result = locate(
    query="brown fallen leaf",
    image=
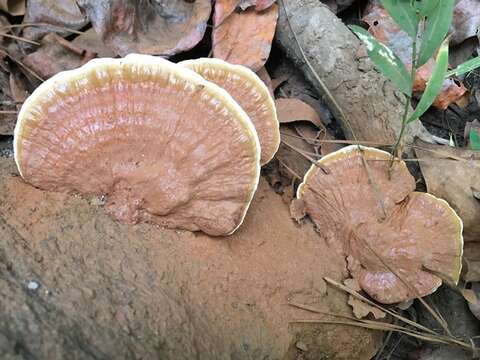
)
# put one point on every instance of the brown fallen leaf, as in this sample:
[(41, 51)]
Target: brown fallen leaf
[(466, 20), (245, 37), (8, 110), (454, 181), (63, 13), (384, 28), (18, 87), (295, 110), (361, 309), (13, 7), (52, 57), (91, 41), (223, 8), (469, 295), (291, 110), (471, 261), (265, 77), (292, 163), (162, 27), (475, 306)]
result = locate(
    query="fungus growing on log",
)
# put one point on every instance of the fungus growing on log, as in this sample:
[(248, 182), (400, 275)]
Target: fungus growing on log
[(399, 244), (160, 142), (252, 95)]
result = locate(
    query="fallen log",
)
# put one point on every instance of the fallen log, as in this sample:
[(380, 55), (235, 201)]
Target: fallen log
[(364, 102)]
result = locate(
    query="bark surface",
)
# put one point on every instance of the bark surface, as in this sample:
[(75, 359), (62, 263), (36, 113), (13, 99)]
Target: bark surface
[(365, 103)]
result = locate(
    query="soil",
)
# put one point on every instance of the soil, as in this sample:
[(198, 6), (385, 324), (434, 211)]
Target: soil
[(76, 284)]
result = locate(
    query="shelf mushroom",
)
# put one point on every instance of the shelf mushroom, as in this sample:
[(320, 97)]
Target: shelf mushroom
[(399, 244), (160, 142), (252, 95)]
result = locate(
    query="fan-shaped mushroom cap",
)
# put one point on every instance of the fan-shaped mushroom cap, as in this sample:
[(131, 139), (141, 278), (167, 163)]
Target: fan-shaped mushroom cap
[(252, 95), (163, 144), (390, 235)]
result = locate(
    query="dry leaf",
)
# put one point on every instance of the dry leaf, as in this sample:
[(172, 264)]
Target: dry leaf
[(52, 57), (471, 262), (18, 88), (91, 41), (223, 8), (361, 309), (289, 154), (245, 38), (265, 76), (13, 7), (453, 181), (384, 28), (290, 110), (162, 27), (64, 13), (466, 20), (470, 296), (475, 306), (7, 121)]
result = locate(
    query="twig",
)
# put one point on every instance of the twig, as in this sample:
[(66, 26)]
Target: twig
[(59, 28), (290, 170), (18, 38), (21, 64)]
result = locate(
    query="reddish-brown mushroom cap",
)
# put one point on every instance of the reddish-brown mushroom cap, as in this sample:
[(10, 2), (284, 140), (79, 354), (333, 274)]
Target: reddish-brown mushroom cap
[(159, 141), (252, 95), (390, 235)]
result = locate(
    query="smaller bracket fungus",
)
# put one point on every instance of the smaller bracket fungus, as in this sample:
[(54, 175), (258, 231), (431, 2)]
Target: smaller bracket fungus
[(399, 244), (252, 95), (163, 144)]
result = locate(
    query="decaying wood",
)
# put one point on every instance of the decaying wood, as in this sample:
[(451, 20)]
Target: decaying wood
[(366, 104)]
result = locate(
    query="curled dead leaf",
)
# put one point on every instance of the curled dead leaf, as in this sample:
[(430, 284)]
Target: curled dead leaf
[(64, 13), (52, 57), (245, 37), (471, 262), (13, 7), (224, 8), (466, 20), (162, 27), (470, 296), (361, 309), (475, 306), (291, 110), (91, 41), (265, 77), (450, 173)]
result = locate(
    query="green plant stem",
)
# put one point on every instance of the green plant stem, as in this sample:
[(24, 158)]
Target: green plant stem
[(407, 105)]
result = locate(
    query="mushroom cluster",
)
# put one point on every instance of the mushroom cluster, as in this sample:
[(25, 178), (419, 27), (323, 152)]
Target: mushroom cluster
[(162, 143), (399, 244)]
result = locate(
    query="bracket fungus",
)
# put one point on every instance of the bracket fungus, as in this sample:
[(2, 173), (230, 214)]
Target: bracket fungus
[(251, 94), (163, 144), (399, 244)]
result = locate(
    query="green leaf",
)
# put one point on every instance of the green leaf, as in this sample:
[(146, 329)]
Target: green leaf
[(464, 68), (436, 28), (404, 15), (427, 7), (385, 60), (474, 140), (434, 85)]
